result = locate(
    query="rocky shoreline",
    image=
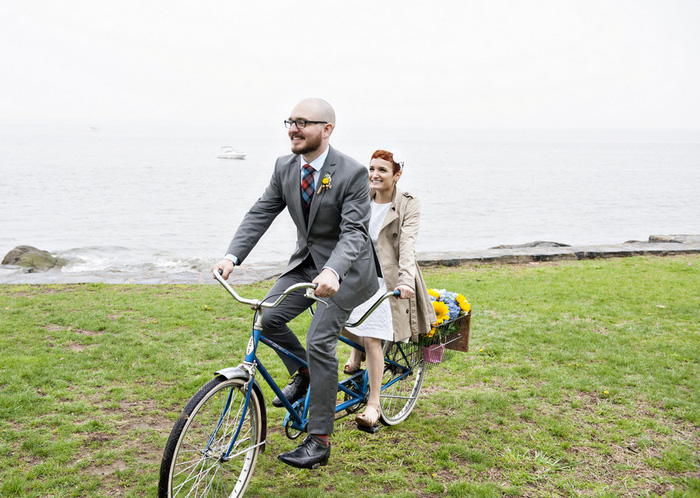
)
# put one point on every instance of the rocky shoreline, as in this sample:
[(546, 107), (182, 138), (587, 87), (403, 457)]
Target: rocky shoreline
[(658, 245)]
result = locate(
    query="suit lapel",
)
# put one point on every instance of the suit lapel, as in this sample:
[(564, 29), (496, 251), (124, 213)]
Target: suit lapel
[(328, 168), (294, 180)]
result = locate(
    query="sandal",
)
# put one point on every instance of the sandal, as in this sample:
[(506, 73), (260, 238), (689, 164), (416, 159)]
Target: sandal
[(367, 419), (352, 369), (349, 369)]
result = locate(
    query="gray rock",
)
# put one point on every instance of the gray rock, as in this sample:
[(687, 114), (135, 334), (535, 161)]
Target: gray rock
[(537, 243), (31, 257), (676, 239)]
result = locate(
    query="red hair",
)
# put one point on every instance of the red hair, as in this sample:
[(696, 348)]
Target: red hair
[(387, 156)]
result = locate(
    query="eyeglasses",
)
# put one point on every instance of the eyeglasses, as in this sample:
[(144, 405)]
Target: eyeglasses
[(301, 123)]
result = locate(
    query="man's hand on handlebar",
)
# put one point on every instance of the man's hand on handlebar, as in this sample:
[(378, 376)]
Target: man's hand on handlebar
[(225, 267), (327, 282)]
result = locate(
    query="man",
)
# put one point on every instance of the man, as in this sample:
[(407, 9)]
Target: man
[(327, 195)]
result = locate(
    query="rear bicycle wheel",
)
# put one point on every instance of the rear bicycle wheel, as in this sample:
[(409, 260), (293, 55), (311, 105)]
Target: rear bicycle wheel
[(404, 372), (194, 461)]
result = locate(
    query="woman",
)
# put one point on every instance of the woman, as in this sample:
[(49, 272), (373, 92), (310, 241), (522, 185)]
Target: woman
[(393, 228)]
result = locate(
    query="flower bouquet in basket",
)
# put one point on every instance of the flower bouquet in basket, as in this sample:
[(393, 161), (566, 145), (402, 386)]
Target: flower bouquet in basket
[(449, 308)]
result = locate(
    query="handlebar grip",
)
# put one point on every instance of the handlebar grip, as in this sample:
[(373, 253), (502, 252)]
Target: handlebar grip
[(397, 293), (310, 291)]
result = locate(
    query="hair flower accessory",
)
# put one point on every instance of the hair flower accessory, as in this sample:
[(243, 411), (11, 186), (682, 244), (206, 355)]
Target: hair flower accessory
[(398, 158), (325, 183)]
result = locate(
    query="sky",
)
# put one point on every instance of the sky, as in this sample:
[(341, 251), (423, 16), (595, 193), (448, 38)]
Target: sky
[(545, 64)]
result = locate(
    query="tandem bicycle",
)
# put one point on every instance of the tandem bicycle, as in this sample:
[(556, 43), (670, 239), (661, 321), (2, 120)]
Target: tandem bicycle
[(215, 442)]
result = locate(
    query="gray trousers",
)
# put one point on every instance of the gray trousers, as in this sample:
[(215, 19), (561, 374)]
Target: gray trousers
[(321, 342)]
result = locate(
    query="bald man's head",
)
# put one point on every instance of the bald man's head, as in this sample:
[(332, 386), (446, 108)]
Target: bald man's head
[(318, 120), (319, 109)]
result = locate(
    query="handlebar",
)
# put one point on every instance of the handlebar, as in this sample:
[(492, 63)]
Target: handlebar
[(394, 293), (257, 303)]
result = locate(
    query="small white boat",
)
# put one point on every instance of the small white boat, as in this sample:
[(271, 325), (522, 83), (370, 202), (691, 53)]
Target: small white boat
[(228, 152)]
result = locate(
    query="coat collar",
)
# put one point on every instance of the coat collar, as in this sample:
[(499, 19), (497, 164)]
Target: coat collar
[(394, 210)]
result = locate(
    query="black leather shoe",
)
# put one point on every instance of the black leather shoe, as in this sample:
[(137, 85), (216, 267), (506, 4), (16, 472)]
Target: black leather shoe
[(295, 390), (310, 454)]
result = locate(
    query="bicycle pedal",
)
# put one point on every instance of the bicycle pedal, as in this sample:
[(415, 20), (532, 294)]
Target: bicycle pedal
[(370, 430)]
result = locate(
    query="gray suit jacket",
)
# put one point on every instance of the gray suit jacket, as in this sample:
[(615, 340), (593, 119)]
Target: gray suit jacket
[(336, 234)]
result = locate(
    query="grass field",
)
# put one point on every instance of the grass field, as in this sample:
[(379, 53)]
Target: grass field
[(582, 380)]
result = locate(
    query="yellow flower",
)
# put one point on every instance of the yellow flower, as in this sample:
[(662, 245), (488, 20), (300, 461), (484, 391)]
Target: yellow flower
[(325, 183), (463, 303), (441, 311), (434, 293)]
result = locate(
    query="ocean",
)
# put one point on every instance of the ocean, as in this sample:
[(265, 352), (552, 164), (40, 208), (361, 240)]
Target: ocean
[(135, 198)]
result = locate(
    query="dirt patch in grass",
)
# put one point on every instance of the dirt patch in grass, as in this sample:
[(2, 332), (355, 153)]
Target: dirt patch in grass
[(106, 470), (78, 348), (137, 428), (85, 332), (139, 413)]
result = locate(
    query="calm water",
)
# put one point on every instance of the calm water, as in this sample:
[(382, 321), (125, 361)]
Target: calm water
[(133, 198)]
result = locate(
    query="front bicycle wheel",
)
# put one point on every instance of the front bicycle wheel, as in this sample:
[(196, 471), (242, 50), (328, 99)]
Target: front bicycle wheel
[(197, 460), (404, 372)]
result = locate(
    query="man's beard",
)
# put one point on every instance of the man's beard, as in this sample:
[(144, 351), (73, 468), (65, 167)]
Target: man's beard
[(309, 144)]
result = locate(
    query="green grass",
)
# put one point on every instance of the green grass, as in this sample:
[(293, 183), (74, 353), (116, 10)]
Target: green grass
[(581, 380)]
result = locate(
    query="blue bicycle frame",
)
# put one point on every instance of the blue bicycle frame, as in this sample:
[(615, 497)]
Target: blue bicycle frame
[(358, 383)]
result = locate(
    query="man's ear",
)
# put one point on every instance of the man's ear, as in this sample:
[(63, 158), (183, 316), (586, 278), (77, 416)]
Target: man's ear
[(327, 130)]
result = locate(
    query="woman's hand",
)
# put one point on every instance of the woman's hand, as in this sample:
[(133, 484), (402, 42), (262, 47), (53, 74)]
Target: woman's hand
[(406, 291)]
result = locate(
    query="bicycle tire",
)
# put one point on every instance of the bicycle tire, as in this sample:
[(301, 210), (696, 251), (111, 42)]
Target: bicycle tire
[(191, 466), (398, 399)]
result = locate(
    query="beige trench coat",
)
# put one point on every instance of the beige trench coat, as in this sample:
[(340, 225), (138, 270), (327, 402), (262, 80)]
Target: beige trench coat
[(396, 245)]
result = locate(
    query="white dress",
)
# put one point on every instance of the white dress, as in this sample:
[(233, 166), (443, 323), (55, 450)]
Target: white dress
[(379, 323)]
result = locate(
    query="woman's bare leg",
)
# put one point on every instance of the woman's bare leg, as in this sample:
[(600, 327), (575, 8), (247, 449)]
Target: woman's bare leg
[(355, 359), (375, 369)]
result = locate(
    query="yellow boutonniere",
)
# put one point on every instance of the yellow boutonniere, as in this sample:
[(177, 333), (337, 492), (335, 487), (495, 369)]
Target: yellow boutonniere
[(325, 183)]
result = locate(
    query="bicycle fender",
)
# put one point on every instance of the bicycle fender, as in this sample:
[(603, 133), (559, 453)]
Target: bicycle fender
[(234, 373), (240, 373)]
